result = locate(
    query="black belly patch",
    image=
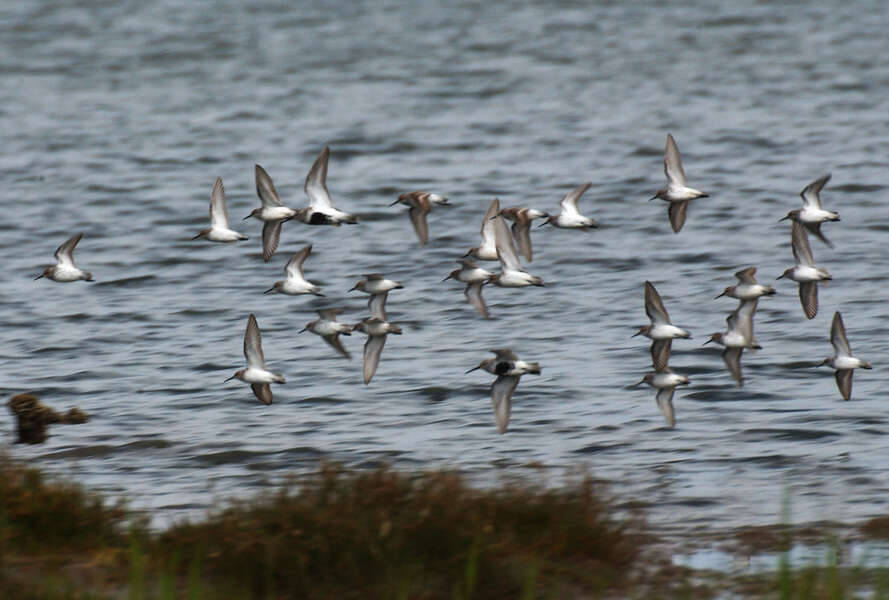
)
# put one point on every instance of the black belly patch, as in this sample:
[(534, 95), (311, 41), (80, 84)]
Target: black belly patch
[(317, 219)]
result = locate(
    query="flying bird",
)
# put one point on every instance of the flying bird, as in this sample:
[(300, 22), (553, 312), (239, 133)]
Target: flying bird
[(661, 331), (219, 231), (570, 217), (420, 204), (272, 213), (65, 270), (811, 215), (295, 282), (842, 359), (521, 226), (508, 369), (747, 288), (805, 273), (321, 210), (256, 373), (665, 382), (330, 329), (738, 335), (677, 193)]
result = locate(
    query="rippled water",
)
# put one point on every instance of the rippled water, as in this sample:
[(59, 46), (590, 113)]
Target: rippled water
[(118, 117)]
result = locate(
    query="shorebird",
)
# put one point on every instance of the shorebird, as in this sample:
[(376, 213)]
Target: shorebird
[(842, 359), (508, 369), (329, 329), (811, 214), (420, 204), (64, 270), (747, 288), (487, 250), (805, 273), (272, 213), (295, 282), (661, 331), (378, 287), (256, 373), (320, 210), (665, 381), (219, 231), (521, 226), (474, 277), (376, 329), (511, 272), (738, 335), (570, 217), (676, 193)]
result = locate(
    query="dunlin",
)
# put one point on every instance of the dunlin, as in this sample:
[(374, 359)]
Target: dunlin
[(511, 272), (64, 270), (570, 217), (272, 213), (842, 359), (661, 331), (378, 287), (487, 250), (508, 368), (256, 373), (376, 329), (677, 193), (747, 288), (474, 277), (811, 214), (329, 329), (805, 273), (665, 382), (320, 210), (294, 282), (219, 231), (738, 335), (521, 226), (420, 204)]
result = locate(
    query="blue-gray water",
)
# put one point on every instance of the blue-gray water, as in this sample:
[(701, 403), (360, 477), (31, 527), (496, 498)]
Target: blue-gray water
[(117, 118)]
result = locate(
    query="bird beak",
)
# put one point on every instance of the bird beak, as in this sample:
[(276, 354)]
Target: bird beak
[(394, 203), (247, 217), (653, 198), (269, 291), (707, 342), (229, 379), (354, 287), (196, 237), (448, 277), (720, 295), (301, 330), (779, 276), (38, 277), (783, 219), (472, 369), (637, 333), (638, 383), (545, 222)]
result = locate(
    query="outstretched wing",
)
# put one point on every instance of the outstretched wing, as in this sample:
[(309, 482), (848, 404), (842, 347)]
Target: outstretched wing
[(810, 193), (218, 212), (501, 398), (253, 345), (294, 266), (265, 188), (569, 202), (838, 336), (673, 164), (65, 253), (316, 182)]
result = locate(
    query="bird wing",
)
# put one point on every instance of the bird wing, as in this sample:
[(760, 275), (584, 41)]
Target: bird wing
[(294, 266), (569, 202), (654, 307), (815, 228), (418, 218), (808, 297), (838, 336), (376, 305), (330, 313), (65, 253), (664, 399), (271, 235), (336, 344), (799, 243), (501, 398), (660, 354), (522, 234), (265, 188), (747, 275), (743, 322), (263, 391), (506, 251), (473, 293), (677, 211), (487, 230), (732, 358), (253, 345), (218, 212), (373, 347), (316, 182), (810, 192), (502, 354), (844, 382), (673, 164)]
